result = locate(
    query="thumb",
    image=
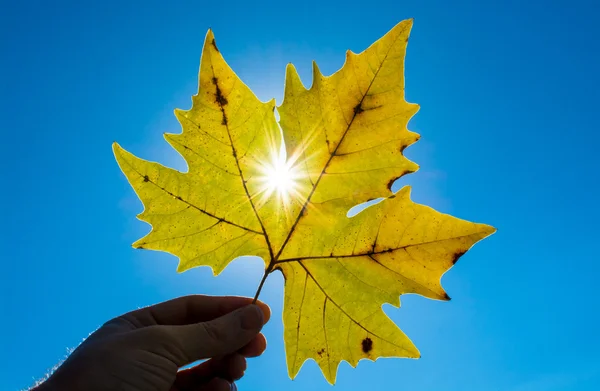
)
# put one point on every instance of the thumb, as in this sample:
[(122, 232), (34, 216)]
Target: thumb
[(219, 336)]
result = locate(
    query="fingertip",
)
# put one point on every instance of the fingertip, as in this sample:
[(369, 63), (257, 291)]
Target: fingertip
[(232, 303), (254, 348), (220, 336), (265, 310), (252, 318), (236, 366)]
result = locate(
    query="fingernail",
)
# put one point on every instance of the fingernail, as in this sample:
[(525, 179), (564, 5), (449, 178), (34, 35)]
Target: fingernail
[(252, 317)]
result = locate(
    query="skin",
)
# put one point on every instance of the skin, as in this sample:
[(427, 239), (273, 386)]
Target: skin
[(144, 350)]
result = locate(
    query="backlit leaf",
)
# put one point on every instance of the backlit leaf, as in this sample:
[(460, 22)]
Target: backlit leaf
[(344, 139)]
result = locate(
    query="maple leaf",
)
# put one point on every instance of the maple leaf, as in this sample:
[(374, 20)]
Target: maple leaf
[(344, 139)]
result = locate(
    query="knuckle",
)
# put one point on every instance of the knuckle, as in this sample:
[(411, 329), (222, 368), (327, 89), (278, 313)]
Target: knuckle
[(212, 331), (155, 335), (161, 341)]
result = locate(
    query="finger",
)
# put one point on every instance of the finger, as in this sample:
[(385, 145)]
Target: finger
[(214, 338), (254, 348), (217, 384), (191, 309), (230, 367), (234, 367)]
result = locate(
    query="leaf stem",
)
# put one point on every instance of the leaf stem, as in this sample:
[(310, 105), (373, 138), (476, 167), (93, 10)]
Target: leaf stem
[(262, 281)]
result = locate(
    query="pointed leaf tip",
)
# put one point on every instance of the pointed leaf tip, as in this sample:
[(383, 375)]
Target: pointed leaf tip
[(293, 82), (316, 71), (117, 149)]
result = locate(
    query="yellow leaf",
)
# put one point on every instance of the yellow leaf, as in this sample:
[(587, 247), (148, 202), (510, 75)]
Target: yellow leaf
[(344, 139)]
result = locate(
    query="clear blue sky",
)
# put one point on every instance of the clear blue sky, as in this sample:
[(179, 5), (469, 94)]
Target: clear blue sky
[(509, 97)]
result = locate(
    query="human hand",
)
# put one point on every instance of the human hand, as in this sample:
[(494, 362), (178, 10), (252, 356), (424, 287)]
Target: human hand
[(144, 349)]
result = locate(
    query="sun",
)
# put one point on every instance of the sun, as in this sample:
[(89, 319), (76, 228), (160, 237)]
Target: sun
[(280, 177)]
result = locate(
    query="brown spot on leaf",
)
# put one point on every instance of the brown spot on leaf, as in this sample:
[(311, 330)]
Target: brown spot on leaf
[(146, 179), (391, 182), (214, 45), (457, 255), (320, 352), (358, 109), (367, 345), (219, 98)]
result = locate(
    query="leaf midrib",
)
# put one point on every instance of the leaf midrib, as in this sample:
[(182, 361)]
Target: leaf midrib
[(221, 219), (237, 163), (332, 155), (371, 253)]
